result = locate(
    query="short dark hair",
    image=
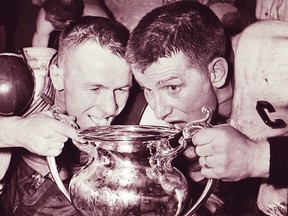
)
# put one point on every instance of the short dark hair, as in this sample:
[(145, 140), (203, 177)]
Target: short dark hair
[(108, 33), (64, 9), (185, 26)]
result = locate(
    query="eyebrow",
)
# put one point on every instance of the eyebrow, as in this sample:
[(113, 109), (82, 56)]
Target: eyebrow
[(165, 81), (127, 86), (102, 86), (92, 84)]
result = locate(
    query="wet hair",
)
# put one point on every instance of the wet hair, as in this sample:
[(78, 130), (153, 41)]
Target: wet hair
[(108, 33), (64, 10), (186, 26)]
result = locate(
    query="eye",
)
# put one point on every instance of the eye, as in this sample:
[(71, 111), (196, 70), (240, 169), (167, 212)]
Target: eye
[(173, 88), (146, 90), (95, 89), (122, 90), (91, 87)]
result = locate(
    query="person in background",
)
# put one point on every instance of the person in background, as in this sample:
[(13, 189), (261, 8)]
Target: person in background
[(97, 8), (92, 79), (56, 14), (235, 15), (271, 10), (129, 12), (91, 7)]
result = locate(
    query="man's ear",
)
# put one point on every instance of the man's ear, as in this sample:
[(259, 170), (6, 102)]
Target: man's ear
[(218, 69), (57, 77)]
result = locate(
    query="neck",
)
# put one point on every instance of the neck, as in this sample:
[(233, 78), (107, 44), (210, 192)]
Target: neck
[(224, 97)]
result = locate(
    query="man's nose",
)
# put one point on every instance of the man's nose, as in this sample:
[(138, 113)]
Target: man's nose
[(160, 107), (110, 105)]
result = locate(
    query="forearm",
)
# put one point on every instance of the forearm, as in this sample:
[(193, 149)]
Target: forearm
[(8, 132), (40, 41), (43, 30), (278, 170)]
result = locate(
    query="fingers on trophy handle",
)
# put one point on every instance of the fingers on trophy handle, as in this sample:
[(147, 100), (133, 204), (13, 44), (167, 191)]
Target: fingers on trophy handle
[(51, 160), (194, 126), (190, 129)]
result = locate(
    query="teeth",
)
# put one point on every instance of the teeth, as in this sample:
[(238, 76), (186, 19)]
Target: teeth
[(99, 121), (93, 122), (172, 125), (178, 126)]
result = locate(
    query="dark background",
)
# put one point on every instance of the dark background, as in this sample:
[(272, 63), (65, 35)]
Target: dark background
[(18, 17), (17, 24)]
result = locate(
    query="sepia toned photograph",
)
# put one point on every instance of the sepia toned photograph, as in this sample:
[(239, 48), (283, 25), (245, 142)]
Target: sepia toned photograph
[(143, 107)]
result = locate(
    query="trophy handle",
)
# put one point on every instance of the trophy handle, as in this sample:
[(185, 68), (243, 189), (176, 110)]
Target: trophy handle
[(54, 172), (190, 129), (210, 185), (51, 160)]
